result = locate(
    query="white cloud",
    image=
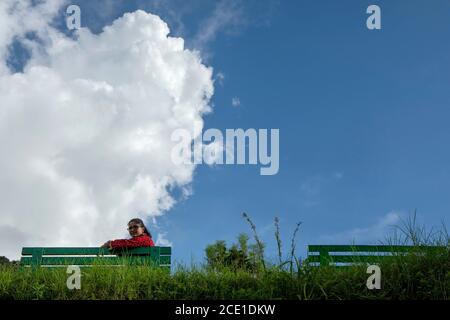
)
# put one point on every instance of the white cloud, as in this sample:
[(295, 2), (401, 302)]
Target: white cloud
[(227, 16), (371, 234), (19, 17), (85, 129), (235, 102), (220, 78), (162, 241)]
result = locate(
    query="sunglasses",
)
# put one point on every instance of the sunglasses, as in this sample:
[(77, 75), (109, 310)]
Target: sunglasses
[(133, 227)]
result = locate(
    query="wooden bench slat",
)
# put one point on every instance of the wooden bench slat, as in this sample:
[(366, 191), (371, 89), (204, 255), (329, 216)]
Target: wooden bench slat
[(340, 259), (96, 261), (58, 256), (26, 251), (165, 250), (326, 254), (363, 248)]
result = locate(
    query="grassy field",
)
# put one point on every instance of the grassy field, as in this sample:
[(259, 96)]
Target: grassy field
[(420, 275), (412, 277)]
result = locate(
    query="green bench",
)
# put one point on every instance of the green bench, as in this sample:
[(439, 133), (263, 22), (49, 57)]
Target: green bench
[(339, 255), (58, 257)]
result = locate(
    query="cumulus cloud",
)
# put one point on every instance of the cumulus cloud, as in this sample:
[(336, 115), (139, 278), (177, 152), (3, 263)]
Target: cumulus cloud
[(85, 128)]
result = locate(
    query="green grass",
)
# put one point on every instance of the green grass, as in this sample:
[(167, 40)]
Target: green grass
[(421, 274), (424, 276)]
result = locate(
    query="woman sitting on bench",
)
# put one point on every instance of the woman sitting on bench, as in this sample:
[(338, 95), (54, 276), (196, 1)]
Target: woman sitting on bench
[(141, 237)]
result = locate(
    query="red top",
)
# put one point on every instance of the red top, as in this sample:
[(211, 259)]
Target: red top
[(139, 241)]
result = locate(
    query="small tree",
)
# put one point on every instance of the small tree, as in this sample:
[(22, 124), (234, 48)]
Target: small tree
[(4, 260), (216, 254), (237, 257)]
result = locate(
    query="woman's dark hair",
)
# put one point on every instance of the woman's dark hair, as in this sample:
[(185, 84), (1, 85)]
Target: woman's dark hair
[(140, 223)]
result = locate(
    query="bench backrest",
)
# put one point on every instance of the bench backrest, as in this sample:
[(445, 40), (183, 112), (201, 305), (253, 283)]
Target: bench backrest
[(324, 255), (54, 257)]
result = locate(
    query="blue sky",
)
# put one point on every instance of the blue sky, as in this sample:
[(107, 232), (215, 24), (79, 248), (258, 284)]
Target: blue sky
[(363, 116)]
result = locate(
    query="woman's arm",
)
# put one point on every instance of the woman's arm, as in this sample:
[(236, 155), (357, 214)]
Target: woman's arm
[(132, 243)]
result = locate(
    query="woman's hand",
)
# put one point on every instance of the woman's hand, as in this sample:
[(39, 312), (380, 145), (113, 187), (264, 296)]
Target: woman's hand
[(107, 244)]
